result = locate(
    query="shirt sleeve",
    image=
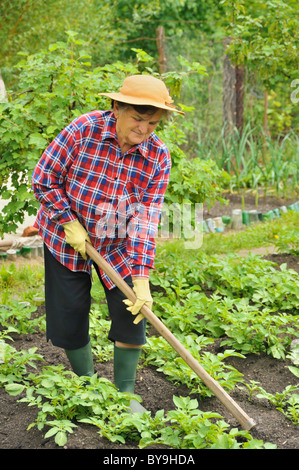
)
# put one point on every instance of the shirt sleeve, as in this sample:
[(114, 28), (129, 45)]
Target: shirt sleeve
[(143, 227), (49, 175)]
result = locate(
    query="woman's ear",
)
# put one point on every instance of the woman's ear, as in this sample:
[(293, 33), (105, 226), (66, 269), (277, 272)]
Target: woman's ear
[(116, 109)]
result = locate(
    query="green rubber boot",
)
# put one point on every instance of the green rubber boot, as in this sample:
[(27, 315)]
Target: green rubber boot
[(125, 365), (81, 360)]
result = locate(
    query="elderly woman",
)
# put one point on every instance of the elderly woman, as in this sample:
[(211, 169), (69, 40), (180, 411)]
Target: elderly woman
[(103, 180)]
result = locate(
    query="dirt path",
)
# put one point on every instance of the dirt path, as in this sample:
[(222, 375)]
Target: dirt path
[(262, 250)]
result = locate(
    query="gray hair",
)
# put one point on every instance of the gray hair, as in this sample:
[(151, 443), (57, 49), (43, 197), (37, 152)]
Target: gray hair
[(142, 109)]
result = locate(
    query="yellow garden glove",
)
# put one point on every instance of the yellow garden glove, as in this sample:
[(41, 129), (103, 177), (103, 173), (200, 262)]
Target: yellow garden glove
[(76, 236), (142, 291)]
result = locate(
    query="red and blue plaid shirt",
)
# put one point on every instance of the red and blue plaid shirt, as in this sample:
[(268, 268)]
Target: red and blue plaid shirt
[(117, 198)]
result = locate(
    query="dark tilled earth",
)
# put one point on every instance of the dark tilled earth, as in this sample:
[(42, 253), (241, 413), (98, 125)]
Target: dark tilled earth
[(157, 393)]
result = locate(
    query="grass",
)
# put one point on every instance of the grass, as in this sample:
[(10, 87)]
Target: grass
[(23, 282), (262, 234)]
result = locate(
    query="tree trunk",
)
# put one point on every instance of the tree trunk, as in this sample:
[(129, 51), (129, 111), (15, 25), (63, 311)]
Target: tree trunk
[(239, 98), (233, 94), (160, 38)]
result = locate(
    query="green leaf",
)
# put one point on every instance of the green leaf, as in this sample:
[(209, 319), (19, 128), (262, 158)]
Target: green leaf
[(61, 438), (47, 383), (38, 141), (14, 389), (51, 432), (294, 370)]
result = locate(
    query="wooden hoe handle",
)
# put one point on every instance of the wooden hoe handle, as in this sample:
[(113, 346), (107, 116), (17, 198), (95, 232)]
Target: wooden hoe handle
[(245, 421)]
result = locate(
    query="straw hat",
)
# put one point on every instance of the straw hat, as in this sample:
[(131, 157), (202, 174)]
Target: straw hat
[(144, 90)]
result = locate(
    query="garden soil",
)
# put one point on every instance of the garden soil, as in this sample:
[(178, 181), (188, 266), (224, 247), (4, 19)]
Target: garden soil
[(156, 391)]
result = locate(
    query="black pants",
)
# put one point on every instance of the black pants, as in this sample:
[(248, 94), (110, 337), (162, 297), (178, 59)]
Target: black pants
[(68, 300)]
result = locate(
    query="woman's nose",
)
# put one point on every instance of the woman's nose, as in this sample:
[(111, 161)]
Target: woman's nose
[(143, 127)]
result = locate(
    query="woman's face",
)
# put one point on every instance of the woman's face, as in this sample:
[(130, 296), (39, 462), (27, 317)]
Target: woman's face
[(132, 127)]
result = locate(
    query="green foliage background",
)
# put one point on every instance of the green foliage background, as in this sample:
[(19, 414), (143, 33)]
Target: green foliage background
[(56, 55)]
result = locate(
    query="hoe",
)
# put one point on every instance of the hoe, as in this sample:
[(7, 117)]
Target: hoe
[(246, 422)]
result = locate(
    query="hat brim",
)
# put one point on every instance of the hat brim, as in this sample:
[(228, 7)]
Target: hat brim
[(139, 101)]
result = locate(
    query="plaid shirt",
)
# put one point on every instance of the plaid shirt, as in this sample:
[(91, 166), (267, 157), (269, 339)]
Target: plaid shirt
[(117, 198)]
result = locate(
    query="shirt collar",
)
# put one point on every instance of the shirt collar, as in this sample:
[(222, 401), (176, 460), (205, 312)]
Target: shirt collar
[(109, 127), (143, 148)]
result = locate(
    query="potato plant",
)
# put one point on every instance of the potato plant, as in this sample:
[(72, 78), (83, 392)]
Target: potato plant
[(251, 304), (62, 398), (247, 304)]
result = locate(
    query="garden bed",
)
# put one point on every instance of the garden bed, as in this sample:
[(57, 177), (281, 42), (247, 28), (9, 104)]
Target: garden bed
[(157, 392), (249, 201)]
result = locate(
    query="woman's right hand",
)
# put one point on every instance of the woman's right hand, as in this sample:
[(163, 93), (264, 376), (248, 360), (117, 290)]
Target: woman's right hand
[(76, 236)]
